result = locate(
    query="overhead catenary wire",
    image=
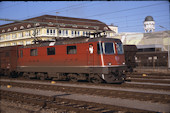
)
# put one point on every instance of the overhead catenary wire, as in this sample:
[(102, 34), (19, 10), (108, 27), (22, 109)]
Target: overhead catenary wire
[(126, 9), (106, 13)]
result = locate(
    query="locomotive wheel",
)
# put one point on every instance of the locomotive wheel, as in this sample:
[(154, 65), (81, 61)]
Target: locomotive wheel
[(25, 75), (41, 76), (73, 77), (95, 79)]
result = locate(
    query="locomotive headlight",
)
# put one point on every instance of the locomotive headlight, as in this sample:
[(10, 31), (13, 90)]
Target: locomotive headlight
[(109, 64), (123, 63)]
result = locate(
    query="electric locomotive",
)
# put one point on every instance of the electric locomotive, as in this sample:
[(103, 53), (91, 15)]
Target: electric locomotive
[(97, 60)]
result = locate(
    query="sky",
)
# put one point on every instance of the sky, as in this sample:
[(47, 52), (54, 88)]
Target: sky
[(127, 15)]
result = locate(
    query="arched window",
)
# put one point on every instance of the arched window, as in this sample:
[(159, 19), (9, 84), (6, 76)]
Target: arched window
[(28, 26), (15, 28), (22, 27)]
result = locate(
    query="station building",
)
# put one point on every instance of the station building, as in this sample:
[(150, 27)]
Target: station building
[(49, 27), (152, 47)]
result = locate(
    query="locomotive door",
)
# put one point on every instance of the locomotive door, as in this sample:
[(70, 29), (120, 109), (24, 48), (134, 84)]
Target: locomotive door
[(90, 59)]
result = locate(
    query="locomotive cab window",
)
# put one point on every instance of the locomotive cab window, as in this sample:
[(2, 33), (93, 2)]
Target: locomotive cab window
[(109, 48), (119, 48), (71, 49), (33, 52), (51, 51)]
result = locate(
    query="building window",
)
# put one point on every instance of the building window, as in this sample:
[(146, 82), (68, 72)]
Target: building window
[(22, 27), (78, 33), (47, 31), (71, 49), (33, 52), (14, 36), (50, 31), (85, 33), (51, 51), (14, 43), (9, 29), (28, 42), (53, 31), (27, 33), (3, 30), (38, 31), (20, 34), (20, 43), (7, 37), (59, 32), (1, 38), (72, 32), (66, 32), (37, 24), (15, 28), (28, 26), (8, 44)]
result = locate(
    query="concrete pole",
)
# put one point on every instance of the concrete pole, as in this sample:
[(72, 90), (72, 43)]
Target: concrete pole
[(168, 51)]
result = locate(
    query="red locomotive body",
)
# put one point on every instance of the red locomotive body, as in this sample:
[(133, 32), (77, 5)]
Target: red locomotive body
[(92, 59), (78, 58)]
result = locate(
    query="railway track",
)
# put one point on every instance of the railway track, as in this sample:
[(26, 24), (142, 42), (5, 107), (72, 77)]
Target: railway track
[(153, 96), (50, 102)]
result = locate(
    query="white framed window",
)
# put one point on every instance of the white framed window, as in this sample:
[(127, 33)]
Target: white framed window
[(28, 26), (85, 33), (14, 35), (20, 43), (65, 32), (3, 30), (15, 28), (22, 27), (7, 37), (38, 32), (9, 29), (20, 34), (14, 43), (8, 44), (1, 38), (27, 33), (50, 32), (28, 42)]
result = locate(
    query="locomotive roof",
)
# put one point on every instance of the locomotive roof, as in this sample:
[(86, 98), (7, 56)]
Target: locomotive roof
[(71, 41)]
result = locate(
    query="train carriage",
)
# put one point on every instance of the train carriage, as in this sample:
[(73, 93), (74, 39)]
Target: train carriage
[(8, 60)]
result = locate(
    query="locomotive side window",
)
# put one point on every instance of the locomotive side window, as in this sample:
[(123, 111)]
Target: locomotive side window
[(71, 49), (99, 48), (7, 54), (21, 53), (51, 51), (109, 48), (91, 48), (119, 48), (33, 52)]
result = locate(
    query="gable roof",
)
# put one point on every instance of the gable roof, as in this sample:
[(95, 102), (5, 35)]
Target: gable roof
[(65, 22)]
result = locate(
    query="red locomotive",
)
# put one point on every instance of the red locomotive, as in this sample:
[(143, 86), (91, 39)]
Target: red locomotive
[(94, 59)]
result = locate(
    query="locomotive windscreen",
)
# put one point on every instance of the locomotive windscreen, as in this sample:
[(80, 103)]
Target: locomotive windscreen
[(109, 48)]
